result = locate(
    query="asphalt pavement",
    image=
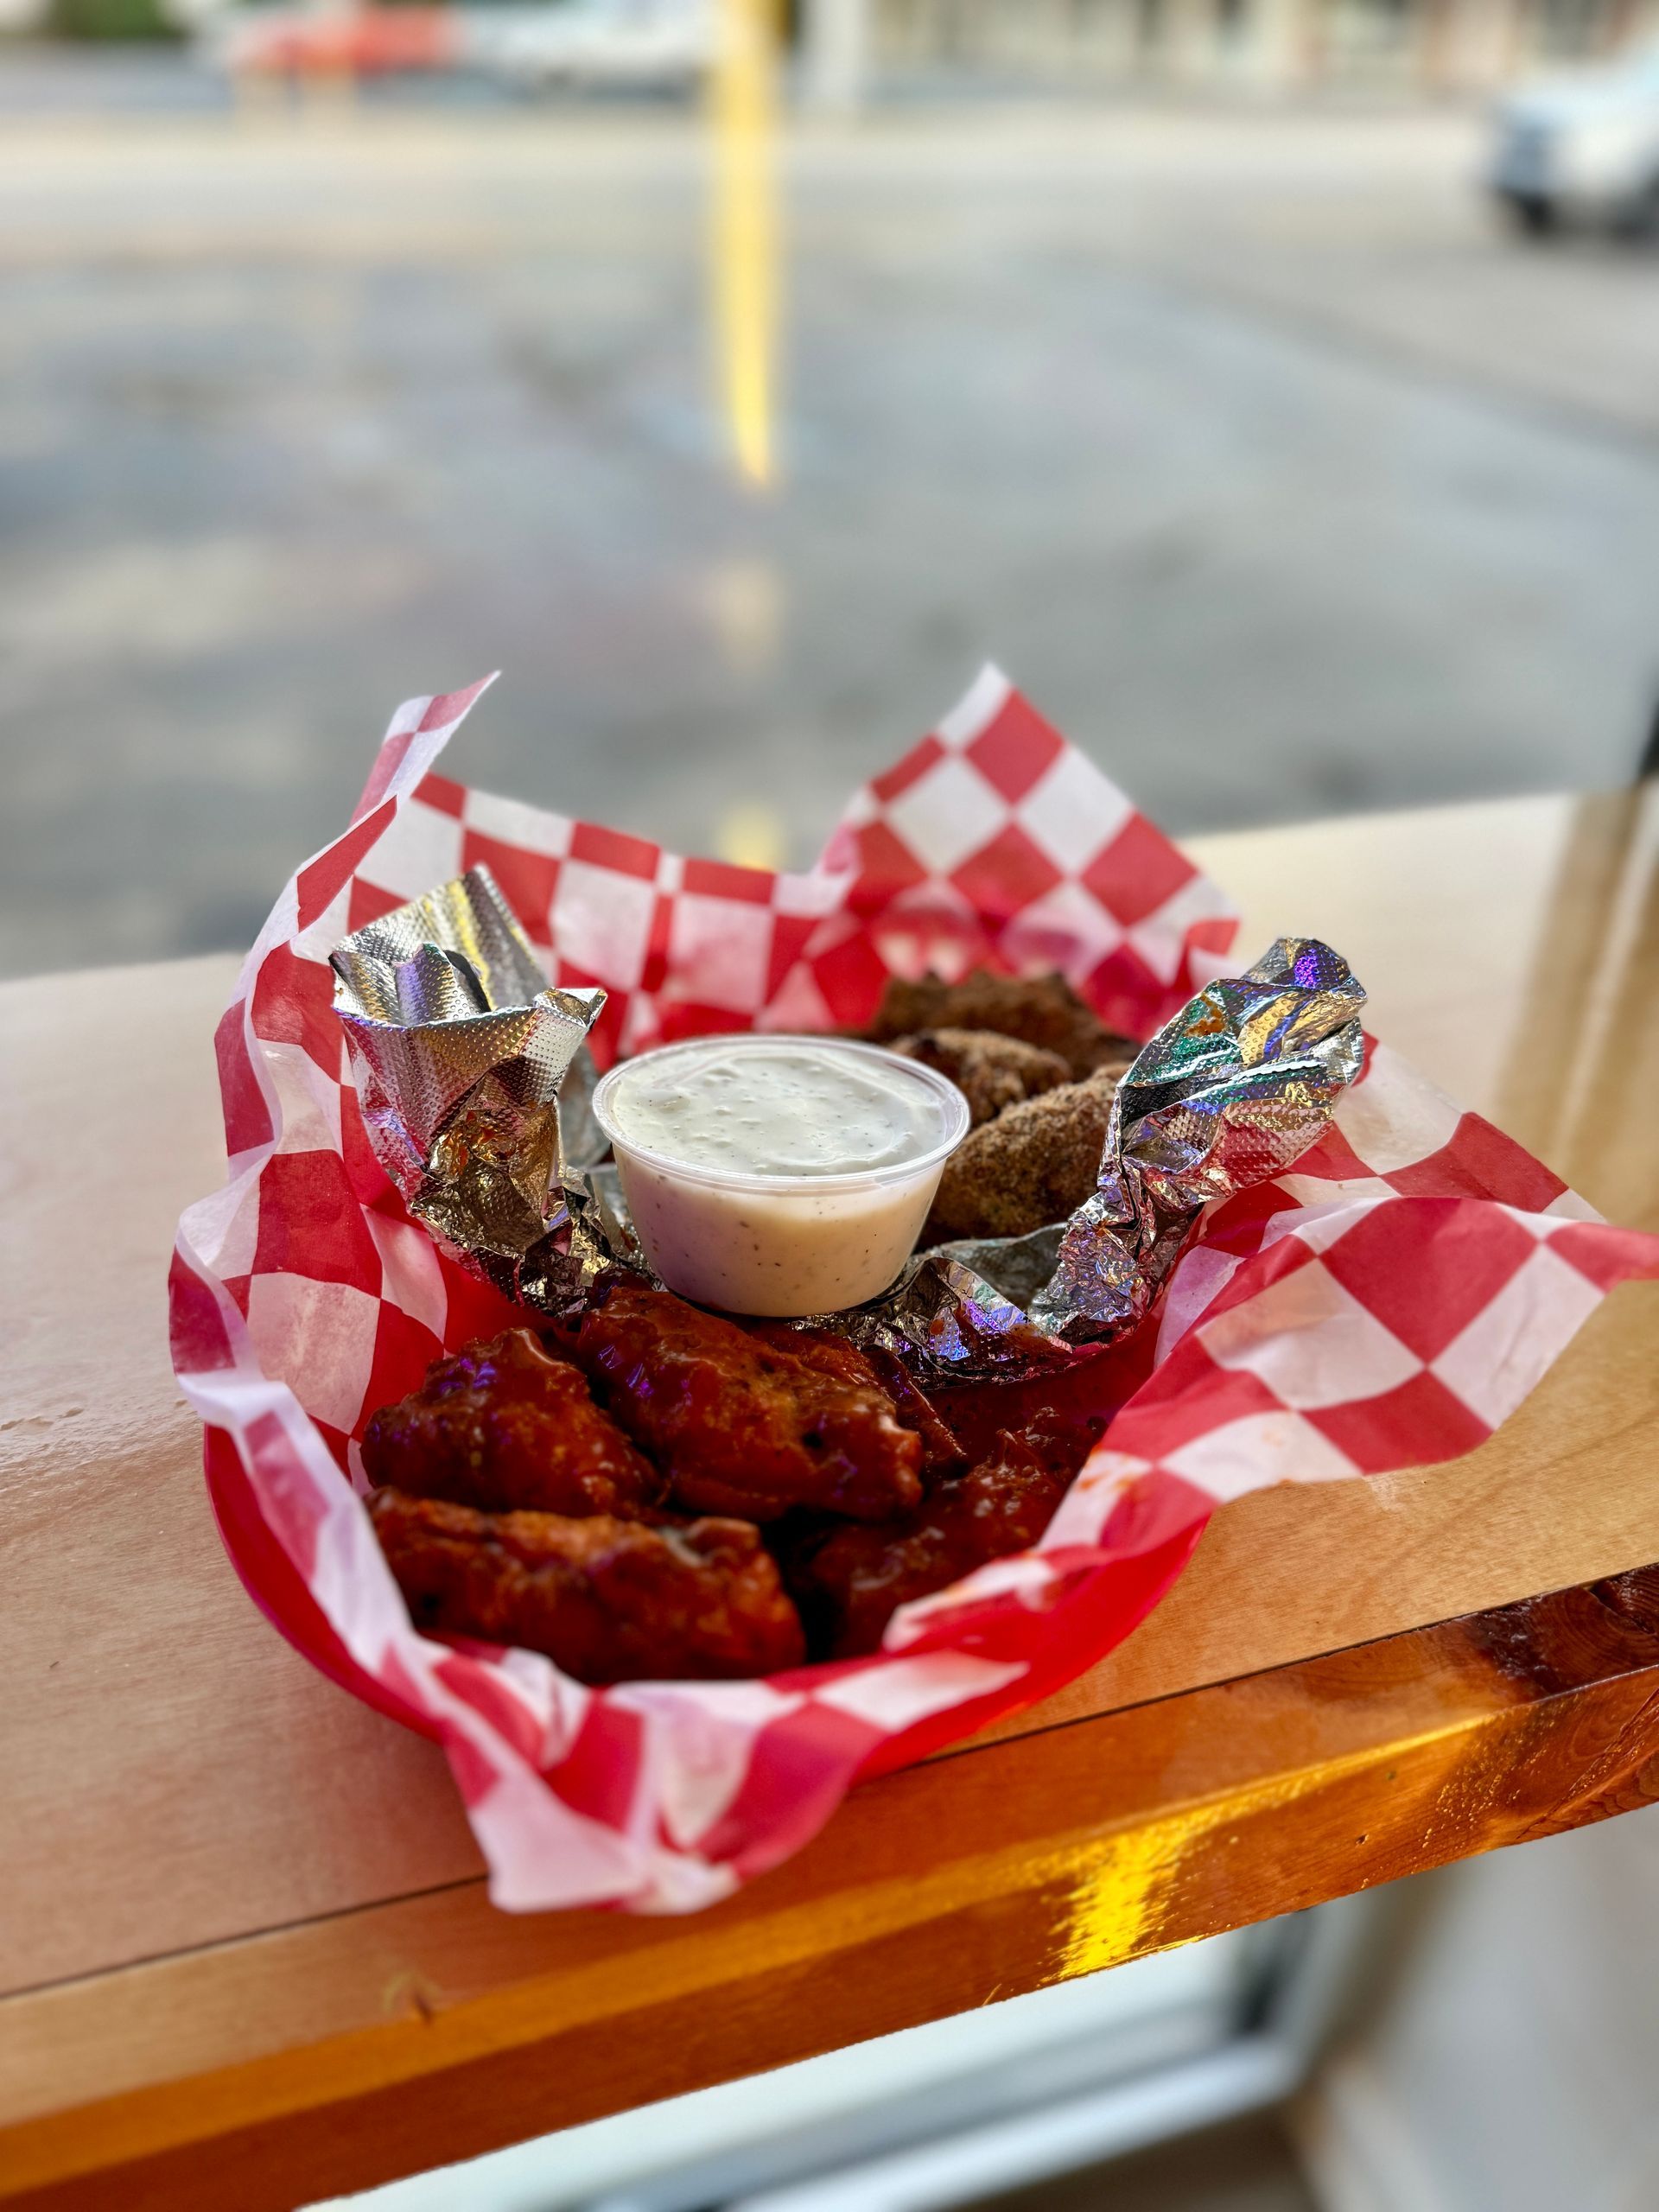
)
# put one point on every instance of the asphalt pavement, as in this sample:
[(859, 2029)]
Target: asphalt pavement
[(1248, 443)]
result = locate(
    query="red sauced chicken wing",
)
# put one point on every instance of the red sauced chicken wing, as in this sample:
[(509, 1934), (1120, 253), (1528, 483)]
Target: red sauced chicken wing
[(851, 1583), (607, 1600), (873, 1371), (504, 1427), (739, 1424)]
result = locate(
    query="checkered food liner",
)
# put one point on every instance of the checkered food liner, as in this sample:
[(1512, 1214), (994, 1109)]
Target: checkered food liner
[(1384, 1304)]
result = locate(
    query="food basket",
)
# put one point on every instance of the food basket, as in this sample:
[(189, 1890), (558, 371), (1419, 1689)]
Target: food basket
[(1386, 1304)]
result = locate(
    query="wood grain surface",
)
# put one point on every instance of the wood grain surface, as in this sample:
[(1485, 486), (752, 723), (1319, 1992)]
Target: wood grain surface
[(337, 2055), (220, 1870)]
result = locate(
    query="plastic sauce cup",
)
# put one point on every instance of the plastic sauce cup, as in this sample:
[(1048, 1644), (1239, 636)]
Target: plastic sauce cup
[(781, 1245)]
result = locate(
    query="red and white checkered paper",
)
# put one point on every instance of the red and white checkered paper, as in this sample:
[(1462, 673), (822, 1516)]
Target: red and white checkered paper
[(1386, 1304)]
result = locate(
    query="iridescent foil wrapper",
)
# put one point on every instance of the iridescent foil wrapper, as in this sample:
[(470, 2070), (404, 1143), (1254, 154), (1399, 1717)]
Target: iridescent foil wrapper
[(1229, 1093), (460, 1050)]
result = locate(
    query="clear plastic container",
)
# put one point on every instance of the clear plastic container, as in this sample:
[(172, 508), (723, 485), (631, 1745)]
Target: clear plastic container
[(761, 1243)]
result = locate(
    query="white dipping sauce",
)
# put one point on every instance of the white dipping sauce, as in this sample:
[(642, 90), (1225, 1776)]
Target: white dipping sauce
[(778, 1175)]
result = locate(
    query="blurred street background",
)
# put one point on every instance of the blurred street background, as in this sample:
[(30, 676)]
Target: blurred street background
[(1224, 409)]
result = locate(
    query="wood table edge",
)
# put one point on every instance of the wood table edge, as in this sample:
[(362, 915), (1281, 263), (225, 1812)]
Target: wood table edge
[(1324, 1777)]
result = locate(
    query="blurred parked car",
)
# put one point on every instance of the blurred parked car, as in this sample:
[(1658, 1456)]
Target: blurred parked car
[(336, 42), (530, 44), (589, 45), (1583, 149)]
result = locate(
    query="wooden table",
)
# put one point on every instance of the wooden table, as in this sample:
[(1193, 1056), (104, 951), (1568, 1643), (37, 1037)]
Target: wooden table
[(245, 1953)]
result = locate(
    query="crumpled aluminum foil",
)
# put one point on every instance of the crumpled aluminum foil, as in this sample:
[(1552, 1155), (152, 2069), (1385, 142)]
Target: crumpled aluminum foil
[(459, 1050), (459, 1105), (1231, 1092)]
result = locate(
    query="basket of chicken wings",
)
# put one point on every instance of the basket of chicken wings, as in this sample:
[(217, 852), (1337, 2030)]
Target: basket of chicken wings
[(686, 1337), (642, 1486)]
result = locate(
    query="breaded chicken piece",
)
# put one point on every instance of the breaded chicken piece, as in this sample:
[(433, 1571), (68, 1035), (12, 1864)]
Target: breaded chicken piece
[(1035, 1163), (504, 1426), (607, 1600), (738, 1424), (850, 1582), (991, 1071), (1041, 1010)]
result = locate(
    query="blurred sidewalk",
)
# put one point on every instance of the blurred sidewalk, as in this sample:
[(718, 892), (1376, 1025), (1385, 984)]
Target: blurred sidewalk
[(1279, 476)]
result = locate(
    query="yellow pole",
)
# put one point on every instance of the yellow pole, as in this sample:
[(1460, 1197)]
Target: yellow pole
[(745, 242)]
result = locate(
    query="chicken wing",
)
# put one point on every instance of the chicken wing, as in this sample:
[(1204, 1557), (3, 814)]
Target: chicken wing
[(1041, 1010), (875, 1370), (1036, 1162), (504, 1426), (849, 1583), (607, 1600), (738, 1424), (991, 1071)]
